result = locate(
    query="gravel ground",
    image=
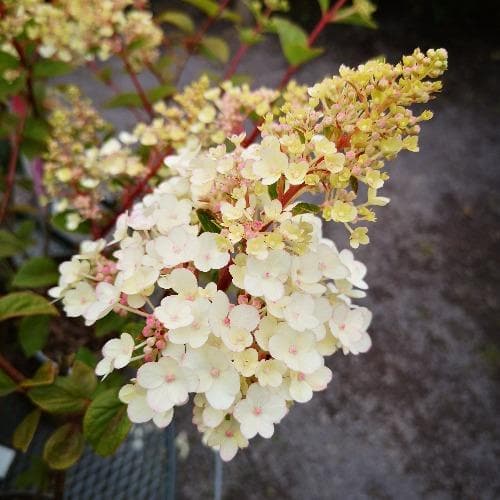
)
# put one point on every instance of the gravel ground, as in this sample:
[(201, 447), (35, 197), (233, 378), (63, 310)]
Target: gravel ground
[(416, 417)]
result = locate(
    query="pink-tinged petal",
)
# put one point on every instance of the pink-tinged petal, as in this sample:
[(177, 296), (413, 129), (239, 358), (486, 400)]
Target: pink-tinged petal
[(301, 391), (158, 399), (228, 449), (266, 429), (104, 367), (244, 316), (163, 419), (151, 375), (139, 411)]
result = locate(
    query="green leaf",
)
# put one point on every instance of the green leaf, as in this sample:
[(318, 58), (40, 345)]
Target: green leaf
[(216, 48), (324, 5), (58, 398), (24, 304), (36, 272), (84, 377), (105, 424), (125, 100), (138, 43), (47, 68), (293, 41), (7, 385), (178, 19), (249, 36), (305, 208), (25, 232), (272, 189), (8, 61), (33, 333), (160, 92), (86, 356), (112, 322), (45, 375), (23, 435), (209, 7), (133, 327), (64, 447), (11, 88), (67, 395), (132, 99), (10, 244), (359, 14), (36, 476), (207, 221), (36, 129), (231, 16)]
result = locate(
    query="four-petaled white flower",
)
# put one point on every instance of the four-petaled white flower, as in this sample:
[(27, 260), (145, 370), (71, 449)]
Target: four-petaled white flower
[(296, 349), (219, 380), (77, 300), (349, 327), (107, 296), (138, 409), (117, 354), (233, 323), (271, 161), (208, 255), (174, 312), (259, 411), (196, 333), (227, 438), (267, 277), (179, 246), (167, 383), (302, 384)]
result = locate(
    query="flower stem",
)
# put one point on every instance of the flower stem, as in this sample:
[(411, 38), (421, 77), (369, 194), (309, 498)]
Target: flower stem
[(138, 87), (11, 167), (133, 310), (10, 370), (113, 86), (243, 48)]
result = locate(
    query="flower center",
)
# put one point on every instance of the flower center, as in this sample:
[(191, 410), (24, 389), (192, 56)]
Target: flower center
[(292, 349), (301, 377), (229, 434), (257, 411), (215, 372), (170, 378)]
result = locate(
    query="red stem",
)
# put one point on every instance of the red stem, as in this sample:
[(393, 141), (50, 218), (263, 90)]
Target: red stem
[(138, 87), (12, 372), (243, 48), (11, 168), (290, 193), (155, 162), (112, 85), (208, 23), (29, 76)]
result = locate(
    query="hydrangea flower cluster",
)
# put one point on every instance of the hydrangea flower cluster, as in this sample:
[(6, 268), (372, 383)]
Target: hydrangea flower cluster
[(242, 295), (81, 166), (204, 114), (80, 30)]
